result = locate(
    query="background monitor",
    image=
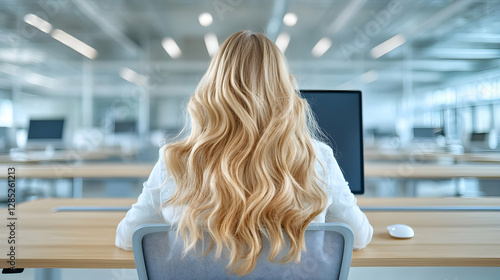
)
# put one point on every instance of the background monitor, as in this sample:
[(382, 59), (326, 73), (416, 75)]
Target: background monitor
[(129, 127), (46, 130), (481, 141), (427, 132), (478, 137), (339, 115)]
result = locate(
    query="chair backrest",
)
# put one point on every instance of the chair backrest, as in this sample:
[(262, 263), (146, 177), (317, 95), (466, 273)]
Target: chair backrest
[(158, 254)]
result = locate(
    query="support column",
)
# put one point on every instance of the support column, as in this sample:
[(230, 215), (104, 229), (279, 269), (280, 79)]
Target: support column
[(87, 95)]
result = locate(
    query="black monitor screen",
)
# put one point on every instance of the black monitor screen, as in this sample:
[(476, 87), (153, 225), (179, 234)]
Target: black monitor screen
[(125, 127), (427, 132), (478, 137), (46, 130), (339, 116)]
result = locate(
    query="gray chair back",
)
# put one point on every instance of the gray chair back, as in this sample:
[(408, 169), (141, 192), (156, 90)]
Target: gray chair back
[(158, 254)]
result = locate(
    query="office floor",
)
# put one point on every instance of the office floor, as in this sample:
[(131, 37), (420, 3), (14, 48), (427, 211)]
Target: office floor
[(378, 273)]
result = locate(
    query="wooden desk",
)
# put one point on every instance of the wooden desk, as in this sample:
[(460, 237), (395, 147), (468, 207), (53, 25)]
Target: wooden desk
[(84, 170), (432, 170), (142, 170), (479, 157), (426, 155), (407, 155), (86, 239), (68, 155), (63, 156)]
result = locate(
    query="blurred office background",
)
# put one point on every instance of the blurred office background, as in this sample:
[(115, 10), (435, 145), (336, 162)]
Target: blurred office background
[(107, 81)]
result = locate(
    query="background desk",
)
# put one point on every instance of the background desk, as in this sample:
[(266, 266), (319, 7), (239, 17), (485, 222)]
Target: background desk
[(424, 155), (66, 155), (138, 170), (412, 170), (86, 239), (77, 172), (83, 170)]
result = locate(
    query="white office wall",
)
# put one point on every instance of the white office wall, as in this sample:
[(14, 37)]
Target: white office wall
[(170, 112), (380, 111)]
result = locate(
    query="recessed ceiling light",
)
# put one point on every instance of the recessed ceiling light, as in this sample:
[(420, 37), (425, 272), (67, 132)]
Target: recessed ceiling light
[(133, 77), (74, 43), (321, 47), (290, 19), (388, 46), (211, 43), (205, 19), (40, 80), (37, 22), (282, 41), (171, 47)]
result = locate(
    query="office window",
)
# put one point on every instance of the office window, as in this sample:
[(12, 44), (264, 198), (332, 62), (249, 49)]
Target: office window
[(450, 123), (496, 116), (6, 113), (464, 121), (482, 118)]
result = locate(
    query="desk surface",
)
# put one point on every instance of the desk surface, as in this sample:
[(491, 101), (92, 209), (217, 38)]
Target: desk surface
[(41, 156), (142, 170), (66, 155), (86, 239), (432, 170), (417, 154), (429, 155), (83, 170)]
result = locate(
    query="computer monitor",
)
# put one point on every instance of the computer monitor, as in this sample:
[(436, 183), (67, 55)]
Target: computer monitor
[(45, 132), (422, 133), (126, 127), (478, 137), (339, 116), (481, 142)]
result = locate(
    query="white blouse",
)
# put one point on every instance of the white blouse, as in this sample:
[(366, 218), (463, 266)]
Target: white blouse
[(341, 202)]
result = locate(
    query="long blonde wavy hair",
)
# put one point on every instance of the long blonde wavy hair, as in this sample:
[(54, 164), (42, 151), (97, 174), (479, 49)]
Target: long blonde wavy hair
[(247, 169)]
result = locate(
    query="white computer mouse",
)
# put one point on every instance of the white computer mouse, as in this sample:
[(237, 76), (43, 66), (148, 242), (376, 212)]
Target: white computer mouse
[(400, 231)]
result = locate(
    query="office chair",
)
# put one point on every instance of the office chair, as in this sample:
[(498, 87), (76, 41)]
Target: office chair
[(158, 254)]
